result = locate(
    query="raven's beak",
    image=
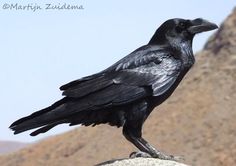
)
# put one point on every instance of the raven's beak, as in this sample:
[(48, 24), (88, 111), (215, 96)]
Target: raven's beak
[(200, 25)]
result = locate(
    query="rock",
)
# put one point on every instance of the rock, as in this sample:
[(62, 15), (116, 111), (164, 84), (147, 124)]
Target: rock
[(141, 162)]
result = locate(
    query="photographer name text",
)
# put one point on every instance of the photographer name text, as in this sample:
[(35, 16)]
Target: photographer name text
[(37, 7)]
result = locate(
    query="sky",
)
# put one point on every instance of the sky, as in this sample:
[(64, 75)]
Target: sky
[(43, 49)]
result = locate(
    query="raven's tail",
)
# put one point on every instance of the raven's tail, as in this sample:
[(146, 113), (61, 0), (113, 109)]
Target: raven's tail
[(46, 119)]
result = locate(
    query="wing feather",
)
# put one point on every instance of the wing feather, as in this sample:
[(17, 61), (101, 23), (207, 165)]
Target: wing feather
[(148, 66)]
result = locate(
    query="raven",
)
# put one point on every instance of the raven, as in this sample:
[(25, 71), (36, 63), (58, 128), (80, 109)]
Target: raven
[(124, 94)]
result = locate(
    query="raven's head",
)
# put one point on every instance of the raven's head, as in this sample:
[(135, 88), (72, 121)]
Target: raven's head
[(180, 30)]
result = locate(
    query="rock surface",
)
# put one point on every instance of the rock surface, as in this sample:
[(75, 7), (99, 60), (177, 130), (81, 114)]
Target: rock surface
[(142, 162)]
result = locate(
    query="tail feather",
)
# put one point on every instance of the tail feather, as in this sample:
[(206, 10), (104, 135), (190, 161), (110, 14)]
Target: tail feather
[(38, 119), (38, 113), (44, 129)]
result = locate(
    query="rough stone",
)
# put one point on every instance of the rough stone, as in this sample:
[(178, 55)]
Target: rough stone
[(142, 162)]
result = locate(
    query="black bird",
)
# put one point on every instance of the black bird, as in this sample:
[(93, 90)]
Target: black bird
[(126, 93)]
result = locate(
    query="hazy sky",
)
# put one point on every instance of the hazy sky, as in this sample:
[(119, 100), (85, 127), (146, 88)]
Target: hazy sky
[(45, 49)]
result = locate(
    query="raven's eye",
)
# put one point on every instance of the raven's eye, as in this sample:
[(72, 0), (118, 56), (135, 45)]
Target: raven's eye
[(180, 27)]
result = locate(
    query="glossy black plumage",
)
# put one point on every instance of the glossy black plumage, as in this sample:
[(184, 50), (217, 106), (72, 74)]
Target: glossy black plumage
[(126, 93)]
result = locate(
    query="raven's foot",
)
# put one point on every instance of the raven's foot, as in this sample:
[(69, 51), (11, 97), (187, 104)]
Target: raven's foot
[(140, 154), (158, 155)]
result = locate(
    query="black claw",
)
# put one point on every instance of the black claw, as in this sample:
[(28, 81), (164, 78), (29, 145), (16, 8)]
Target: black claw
[(139, 154), (132, 154)]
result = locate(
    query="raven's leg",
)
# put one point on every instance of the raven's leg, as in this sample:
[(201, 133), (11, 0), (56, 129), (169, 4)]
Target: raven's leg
[(134, 135)]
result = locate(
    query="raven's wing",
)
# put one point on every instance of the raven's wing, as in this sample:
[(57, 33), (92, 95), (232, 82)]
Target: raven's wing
[(141, 56), (148, 66)]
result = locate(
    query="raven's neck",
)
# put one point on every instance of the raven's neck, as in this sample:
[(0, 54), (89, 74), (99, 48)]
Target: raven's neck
[(187, 55), (185, 52)]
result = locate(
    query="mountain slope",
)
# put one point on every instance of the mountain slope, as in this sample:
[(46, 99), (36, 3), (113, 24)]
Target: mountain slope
[(10, 146), (198, 121)]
